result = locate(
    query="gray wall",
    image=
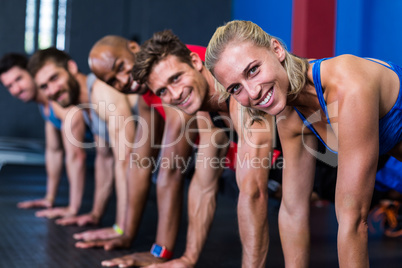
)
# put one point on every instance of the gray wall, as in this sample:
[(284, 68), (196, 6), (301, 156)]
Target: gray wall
[(194, 21)]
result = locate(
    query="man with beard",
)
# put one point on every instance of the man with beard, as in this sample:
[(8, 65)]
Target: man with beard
[(20, 84), (107, 112)]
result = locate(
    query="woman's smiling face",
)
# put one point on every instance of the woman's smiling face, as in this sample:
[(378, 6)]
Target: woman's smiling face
[(254, 75)]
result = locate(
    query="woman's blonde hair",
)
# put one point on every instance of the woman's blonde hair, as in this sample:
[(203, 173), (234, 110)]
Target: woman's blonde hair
[(241, 31)]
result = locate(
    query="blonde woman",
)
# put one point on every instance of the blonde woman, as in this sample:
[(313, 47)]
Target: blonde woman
[(352, 104)]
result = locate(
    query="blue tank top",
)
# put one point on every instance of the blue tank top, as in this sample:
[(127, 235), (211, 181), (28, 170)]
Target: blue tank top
[(390, 125), (51, 117)]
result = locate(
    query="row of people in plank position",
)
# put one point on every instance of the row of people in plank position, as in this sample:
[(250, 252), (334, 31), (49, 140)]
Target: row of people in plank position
[(236, 93)]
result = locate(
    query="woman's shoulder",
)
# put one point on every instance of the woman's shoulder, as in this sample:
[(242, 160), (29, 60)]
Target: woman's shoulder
[(343, 70), (341, 63)]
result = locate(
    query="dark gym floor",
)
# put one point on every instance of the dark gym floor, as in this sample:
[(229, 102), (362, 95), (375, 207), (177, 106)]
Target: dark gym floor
[(27, 241)]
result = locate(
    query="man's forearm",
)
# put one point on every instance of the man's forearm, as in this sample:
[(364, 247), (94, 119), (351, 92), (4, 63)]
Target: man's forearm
[(170, 201), (54, 167), (76, 168), (103, 183), (138, 184), (121, 191), (201, 210)]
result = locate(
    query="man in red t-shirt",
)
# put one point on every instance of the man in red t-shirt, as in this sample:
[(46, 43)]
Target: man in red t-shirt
[(111, 59)]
